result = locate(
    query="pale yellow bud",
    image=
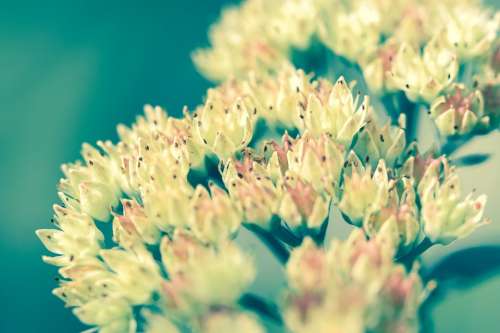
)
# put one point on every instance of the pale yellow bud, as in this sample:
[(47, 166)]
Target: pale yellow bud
[(215, 217)]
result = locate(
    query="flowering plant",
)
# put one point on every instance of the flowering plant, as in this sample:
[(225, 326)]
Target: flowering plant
[(147, 231)]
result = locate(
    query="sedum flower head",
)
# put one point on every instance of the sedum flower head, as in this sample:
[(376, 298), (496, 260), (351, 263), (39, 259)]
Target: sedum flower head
[(170, 262)]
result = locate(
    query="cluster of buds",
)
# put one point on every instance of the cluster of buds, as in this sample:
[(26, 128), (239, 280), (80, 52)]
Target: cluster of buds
[(172, 262), (446, 216), (383, 37), (141, 185), (258, 35), (353, 286)]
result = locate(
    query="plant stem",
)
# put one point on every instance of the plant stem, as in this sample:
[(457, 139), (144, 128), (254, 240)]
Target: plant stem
[(261, 306), (408, 259), (273, 244)]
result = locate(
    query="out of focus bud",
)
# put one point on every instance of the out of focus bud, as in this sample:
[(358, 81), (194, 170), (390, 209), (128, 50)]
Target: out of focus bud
[(206, 277), (470, 29), (423, 77), (346, 24), (307, 267), (158, 323), (215, 217), (230, 321)]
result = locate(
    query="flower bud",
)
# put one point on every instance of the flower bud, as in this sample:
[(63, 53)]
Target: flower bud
[(228, 322), (215, 217), (205, 276), (365, 193), (252, 190), (224, 127), (423, 77), (445, 216), (332, 110), (111, 315), (302, 205), (376, 143), (459, 113), (318, 161), (402, 214)]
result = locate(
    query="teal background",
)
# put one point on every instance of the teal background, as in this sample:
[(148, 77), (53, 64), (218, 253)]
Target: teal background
[(70, 71)]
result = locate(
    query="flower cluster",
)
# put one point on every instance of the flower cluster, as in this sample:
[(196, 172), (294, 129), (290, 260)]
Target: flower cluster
[(422, 48), (353, 286), (170, 262)]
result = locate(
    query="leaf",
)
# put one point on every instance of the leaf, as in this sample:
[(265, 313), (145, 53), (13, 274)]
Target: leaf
[(469, 160), (467, 266)]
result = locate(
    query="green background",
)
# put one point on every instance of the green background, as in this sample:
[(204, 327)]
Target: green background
[(69, 72)]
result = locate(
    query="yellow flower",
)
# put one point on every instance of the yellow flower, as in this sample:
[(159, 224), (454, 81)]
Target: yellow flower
[(252, 189), (364, 192), (228, 322), (215, 217), (459, 113), (224, 127), (333, 110), (423, 77), (447, 217)]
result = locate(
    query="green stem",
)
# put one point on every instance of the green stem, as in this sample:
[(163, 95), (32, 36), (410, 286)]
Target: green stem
[(408, 259), (273, 244), (261, 307)]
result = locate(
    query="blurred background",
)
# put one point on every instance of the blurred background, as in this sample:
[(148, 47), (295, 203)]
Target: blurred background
[(70, 71)]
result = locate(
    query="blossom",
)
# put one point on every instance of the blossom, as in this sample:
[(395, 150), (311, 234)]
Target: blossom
[(252, 189), (215, 217), (301, 204), (446, 216), (227, 322), (204, 276), (224, 127), (338, 289), (333, 110), (423, 77), (365, 192), (459, 113)]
